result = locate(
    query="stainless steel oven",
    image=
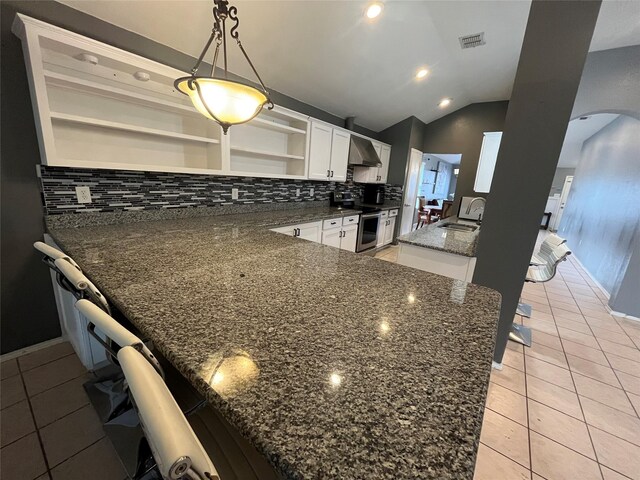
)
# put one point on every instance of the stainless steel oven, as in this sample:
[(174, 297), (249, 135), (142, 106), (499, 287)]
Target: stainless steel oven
[(368, 231)]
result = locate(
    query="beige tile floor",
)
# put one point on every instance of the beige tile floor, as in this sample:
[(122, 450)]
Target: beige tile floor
[(568, 407), (565, 409)]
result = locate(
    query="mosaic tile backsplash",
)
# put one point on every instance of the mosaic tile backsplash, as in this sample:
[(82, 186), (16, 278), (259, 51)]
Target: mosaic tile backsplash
[(118, 190)]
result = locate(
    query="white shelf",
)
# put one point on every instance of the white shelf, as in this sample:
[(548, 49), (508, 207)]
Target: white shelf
[(62, 80), (141, 167), (130, 128), (262, 153), (276, 127)]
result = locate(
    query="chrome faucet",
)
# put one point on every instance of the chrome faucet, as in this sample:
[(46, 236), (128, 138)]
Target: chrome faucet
[(484, 203)]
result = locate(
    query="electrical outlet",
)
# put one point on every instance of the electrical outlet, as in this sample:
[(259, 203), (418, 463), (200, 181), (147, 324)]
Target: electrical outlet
[(83, 194), (311, 191), (234, 194), (297, 192)]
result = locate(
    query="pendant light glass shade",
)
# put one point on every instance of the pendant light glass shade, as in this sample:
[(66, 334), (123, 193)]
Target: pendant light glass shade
[(220, 99), (228, 103)]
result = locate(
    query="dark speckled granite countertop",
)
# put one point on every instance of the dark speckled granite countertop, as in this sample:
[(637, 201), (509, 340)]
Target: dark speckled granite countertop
[(450, 241), (333, 364)]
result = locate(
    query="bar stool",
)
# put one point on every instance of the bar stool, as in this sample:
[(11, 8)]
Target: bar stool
[(177, 452), (539, 259), (552, 256)]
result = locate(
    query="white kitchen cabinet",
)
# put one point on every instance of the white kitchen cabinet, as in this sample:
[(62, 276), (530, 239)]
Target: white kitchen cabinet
[(382, 226), (349, 238), (320, 151), (328, 152), (375, 174), (487, 162), (74, 325), (310, 231), (307, 231), (388, 230), (339, 155), (385, 157), (386, 227), (332, 237), (344, 237)]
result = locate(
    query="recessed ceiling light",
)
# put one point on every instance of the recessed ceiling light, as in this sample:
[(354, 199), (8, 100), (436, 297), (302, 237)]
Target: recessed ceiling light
[(374, 10), (422, 73), (444, 102)]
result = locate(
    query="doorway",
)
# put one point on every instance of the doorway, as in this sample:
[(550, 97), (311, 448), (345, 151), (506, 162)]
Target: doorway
[(411, 192)]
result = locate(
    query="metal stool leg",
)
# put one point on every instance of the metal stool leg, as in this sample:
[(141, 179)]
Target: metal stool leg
[(524, 310), (520, 334)]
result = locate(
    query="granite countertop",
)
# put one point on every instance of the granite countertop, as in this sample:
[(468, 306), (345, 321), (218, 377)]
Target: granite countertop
[(450, 241), (333, 364)]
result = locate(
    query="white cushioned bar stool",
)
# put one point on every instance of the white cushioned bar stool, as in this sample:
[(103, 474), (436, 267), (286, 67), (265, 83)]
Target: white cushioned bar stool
[(551, 255), (539, 259), (177, 452)]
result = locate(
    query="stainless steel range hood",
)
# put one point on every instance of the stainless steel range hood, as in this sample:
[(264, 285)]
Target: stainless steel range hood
[(362, 153)]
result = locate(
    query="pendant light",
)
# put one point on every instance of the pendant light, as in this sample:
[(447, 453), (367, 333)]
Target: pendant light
[(225, 101)]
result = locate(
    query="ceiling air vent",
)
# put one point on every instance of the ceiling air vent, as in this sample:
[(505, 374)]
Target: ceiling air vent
[(470, 41)]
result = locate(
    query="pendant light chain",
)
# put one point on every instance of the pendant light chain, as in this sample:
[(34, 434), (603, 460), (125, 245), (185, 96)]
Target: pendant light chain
[(228, 102)]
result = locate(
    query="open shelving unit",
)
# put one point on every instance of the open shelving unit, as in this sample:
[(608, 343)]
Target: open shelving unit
[(275, 143), (97, 106)]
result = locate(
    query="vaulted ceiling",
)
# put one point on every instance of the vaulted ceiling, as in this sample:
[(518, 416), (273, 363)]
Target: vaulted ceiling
[(327, 54)]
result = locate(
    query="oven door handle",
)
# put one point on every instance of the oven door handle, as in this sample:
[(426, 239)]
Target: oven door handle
[(371, 215)]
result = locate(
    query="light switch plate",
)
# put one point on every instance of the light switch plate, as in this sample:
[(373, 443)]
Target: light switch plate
[(297, 192), (234, 194), (311, 191), (83, 194)]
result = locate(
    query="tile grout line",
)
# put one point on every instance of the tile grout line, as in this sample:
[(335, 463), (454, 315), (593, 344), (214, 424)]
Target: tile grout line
[(615, 373), (526, 399), (45, 363), (33, 418), (595, 453), (505, 456)]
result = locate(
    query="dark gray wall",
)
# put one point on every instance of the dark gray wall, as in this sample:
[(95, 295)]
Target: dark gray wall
[(558, 180), (608, 173), (610, 83), (462, 132), (626, 298), (544, 90), (28, 308), (28, 312), (403, 136)]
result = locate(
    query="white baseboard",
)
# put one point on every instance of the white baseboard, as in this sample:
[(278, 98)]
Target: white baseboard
[(602, 289), (625, 316), (31, 349)]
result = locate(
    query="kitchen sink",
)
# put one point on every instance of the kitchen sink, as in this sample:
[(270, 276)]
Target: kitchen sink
[(458, 226)]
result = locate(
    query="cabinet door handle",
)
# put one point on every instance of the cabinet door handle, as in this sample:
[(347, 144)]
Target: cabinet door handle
[(328, 172), (331, 173)]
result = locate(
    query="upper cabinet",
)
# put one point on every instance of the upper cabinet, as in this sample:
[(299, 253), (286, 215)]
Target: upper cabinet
[(97, 106), (328, 152), (487, 162), (375, 174)]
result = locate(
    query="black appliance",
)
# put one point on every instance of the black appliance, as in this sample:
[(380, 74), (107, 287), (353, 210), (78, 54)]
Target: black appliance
[(341, 200), (373, 194)]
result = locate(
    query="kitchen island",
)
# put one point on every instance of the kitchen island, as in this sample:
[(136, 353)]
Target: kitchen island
[(332, 364), (447, 248)]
